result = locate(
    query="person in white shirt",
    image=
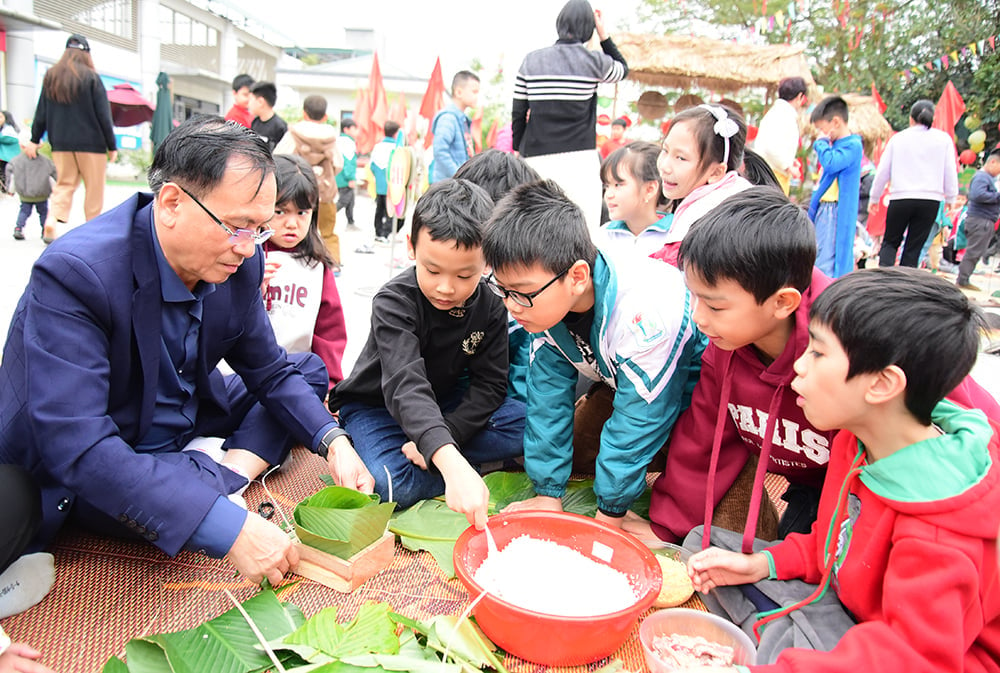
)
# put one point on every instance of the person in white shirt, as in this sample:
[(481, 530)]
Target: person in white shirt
[(778, 134)]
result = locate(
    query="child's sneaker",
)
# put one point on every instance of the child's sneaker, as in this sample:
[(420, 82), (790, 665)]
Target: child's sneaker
[(19, 233)]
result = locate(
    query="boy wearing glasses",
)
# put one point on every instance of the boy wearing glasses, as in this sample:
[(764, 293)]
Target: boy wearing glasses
[(426, 403), (628, 326)]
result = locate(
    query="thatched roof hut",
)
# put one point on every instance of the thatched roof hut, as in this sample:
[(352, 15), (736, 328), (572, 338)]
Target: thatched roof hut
[(682, 62)]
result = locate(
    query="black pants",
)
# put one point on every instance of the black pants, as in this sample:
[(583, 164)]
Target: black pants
[(382, 223), (20, 512), (912, 217), (345, 200), (801, 512)]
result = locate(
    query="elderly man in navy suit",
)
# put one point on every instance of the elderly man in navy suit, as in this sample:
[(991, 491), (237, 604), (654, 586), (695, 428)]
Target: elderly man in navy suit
[(109, 369)]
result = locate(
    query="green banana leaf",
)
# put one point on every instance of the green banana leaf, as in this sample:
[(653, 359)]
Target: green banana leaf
[(225, 644), (430, 526), (114, 665), (371, 631), (341, 521)]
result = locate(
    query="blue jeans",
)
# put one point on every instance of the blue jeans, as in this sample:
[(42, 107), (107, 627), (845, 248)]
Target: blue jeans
[(378, 439), (42, 207)]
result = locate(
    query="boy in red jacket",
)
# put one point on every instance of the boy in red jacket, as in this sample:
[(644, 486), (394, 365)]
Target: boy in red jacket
[(749, 263), (907, 527)]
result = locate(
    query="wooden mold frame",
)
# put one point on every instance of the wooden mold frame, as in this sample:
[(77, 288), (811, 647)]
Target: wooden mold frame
[(346, 576)]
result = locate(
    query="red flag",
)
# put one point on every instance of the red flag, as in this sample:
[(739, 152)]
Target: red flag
[(362, 117), (477, 129), (491, 135), (397, 111), (878, 100), (948, 110), (433, 100), (377, 104)]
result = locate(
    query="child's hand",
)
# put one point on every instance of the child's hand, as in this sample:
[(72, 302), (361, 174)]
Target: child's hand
[(20, 657), (465, 491), (602, 33), (539, 502), (413, 454), (716, 567), (271, 267), (347, 468)]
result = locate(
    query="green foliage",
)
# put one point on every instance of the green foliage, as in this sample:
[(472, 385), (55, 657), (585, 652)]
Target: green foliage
[(850, 45), (367, 644), (341, 521)]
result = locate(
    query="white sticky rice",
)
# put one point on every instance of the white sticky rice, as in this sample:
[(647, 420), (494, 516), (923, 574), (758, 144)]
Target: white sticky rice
[(547, 577)]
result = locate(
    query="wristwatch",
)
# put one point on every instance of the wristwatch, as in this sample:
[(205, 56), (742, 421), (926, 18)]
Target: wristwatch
[(323, 450)]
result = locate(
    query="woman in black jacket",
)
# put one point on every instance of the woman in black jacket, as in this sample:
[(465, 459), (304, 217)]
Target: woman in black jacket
[(73, 108)]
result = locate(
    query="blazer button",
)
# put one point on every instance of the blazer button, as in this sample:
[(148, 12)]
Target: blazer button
[(141, 530), (152, 536), (131, 524), (122, 518), (63, 504)]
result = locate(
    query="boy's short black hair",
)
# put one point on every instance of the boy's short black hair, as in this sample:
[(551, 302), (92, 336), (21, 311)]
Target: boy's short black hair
[(267, 91), (791, 88), (314, 107), (534, 224), (243, 80), (756, 238), (908, 318), (994, 153), (828, 108), (452, 210), (497, 172), (620, 122), (461, 78), (390, 129), (347, 123)]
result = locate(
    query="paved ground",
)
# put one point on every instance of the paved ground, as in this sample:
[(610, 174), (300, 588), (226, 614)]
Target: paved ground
[(361, 276)]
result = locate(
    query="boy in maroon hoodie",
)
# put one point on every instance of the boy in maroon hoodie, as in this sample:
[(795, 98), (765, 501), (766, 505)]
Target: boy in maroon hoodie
[(905, 541), (749, 263)]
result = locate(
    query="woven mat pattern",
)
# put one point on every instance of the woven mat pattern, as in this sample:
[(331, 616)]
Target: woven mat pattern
[(108, 591)]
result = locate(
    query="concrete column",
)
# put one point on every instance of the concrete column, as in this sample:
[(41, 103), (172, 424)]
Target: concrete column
[(149, 46), (22, 97), (229, 62)]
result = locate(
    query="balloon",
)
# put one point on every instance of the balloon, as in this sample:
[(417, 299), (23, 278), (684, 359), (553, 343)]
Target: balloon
[(971, 122), (604, 120), (977, 137), (976, 147), (665, 127), (967, 157), (751, 132)]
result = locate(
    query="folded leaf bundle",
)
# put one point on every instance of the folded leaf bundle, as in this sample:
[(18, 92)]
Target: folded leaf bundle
[(339, 521)]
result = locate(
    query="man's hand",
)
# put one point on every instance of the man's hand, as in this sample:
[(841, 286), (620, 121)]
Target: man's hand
[(352, 183), (262, 550), (716, 567), (347, 468), (539, 502), (19, 658), (31, 149), (465, 491), (112, 156)]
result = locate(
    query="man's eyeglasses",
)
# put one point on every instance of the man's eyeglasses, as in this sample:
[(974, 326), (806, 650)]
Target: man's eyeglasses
[(525, 299), (236, 236)]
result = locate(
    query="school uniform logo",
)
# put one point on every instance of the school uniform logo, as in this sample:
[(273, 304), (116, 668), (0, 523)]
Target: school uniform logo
[(645, 328), (471, 343)]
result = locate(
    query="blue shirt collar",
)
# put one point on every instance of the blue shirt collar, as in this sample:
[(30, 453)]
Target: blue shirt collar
[(172, 288)]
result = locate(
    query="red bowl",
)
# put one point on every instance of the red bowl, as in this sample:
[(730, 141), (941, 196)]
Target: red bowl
[(555, 640)]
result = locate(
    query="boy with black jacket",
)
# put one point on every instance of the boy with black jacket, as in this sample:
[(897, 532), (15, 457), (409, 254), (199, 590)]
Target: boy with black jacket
[(426, 403)]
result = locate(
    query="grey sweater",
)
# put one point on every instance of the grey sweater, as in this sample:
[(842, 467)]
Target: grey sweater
[(31, 177)]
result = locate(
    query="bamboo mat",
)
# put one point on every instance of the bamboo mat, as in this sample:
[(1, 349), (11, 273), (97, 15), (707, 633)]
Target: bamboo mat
[(109, 591)]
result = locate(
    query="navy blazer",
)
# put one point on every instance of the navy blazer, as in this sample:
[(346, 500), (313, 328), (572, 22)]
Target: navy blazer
[(79, 376)]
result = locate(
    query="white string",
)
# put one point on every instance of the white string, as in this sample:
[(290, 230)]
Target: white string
[(289, 528)]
